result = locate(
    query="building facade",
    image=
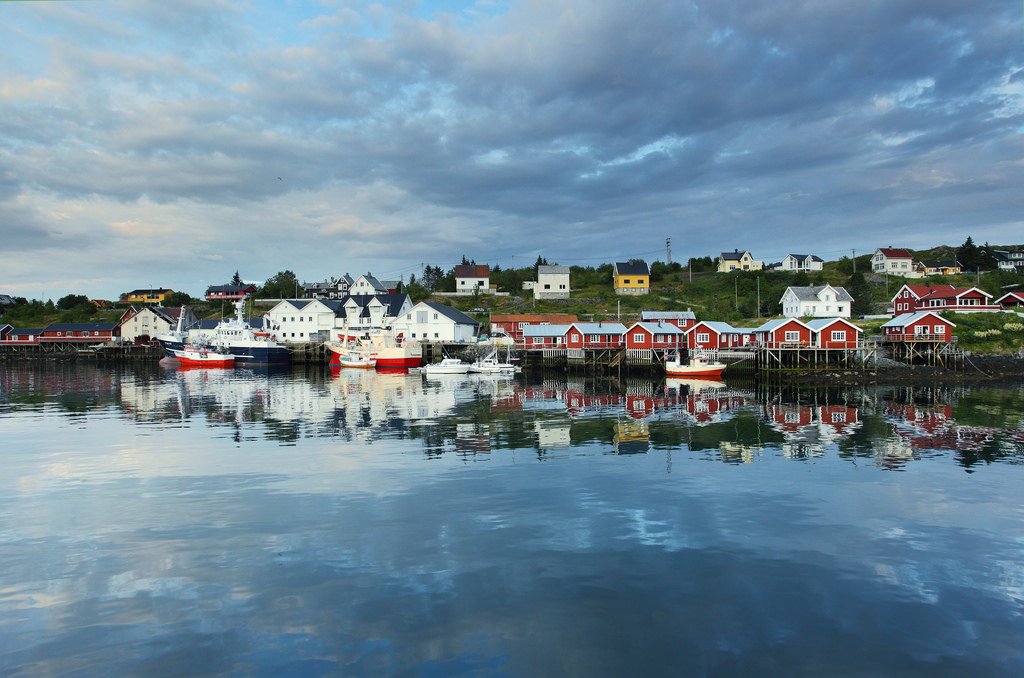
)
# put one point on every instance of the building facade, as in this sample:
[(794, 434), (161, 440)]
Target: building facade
[(552, 282), (632, 277), (823, 301), (738, 261)]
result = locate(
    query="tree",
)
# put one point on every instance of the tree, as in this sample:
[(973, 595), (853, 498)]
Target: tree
[(236, 279), (66, 303), (284, 285), (178, 299), (858, 288), (969, 255)]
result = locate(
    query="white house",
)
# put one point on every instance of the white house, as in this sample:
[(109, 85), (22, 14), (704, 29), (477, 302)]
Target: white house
[(552, 282), (824, 301), (300, 321), (738, 261), (367, 284), (894, 261), (146, 322), (430, 321), (801, 262), (472, 279), (373, 311)]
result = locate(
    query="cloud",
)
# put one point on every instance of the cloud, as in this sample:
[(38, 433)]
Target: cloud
[(560, 124)]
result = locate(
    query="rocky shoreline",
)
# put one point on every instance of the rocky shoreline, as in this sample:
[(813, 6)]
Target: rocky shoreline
[(976, 368)]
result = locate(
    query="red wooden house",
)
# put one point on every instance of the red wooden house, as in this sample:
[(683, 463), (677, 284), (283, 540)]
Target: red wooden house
[(656, 335), (92, 333), (1010, 300), (544, 336), (595, 335), (708, 334), (229, 292), (684, 320), (18, 336), (835, 333), (512, 324), (784, 333), (912, 298), (920, 326)]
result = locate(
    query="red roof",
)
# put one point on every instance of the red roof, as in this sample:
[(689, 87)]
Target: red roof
[(895, 253), (941, 291), (472, 271)]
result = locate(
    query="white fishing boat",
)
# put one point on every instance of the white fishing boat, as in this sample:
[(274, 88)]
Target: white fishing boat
[(203, 356), (490, 364), (698, 367), (249, 345), (447, 366)]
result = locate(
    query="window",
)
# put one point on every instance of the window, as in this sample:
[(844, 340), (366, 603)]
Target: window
[(574, 338), (703, 337), (625, 281), (435, 335), (792, 335), (940, 329), (547, 286), (413, 335), (638, 337), (921, 330), (838, 335), (561, 287), (435, 316), (838, 417)]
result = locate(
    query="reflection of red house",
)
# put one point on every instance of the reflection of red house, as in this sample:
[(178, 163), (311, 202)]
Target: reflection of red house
[(791, 418), (838, 417)]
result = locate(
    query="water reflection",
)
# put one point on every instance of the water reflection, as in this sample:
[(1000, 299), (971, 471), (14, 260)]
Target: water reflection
[(472, 415), (157, 521)]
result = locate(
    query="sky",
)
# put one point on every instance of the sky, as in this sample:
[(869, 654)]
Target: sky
[(170, 144)]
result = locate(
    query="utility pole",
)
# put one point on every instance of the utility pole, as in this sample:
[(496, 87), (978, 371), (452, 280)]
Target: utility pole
[(689, 268), (736, 292), (668, 250), (854, 260), (758, 296)]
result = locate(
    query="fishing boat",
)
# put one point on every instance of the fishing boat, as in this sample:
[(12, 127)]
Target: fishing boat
[(383, 348), (699, 367), (446, 366), (203, 356), (235, 335), (490, 364)]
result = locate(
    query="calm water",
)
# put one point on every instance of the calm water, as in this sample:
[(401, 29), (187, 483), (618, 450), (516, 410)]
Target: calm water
[(165, 522)]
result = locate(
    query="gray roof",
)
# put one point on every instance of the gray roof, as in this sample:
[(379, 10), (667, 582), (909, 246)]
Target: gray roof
[(451, 313), (735, 255), (818, 324), (74, 327), (27, 330), (600, 328), (658, 328), (667, 315), (811, 293), (228, 288), (6, 300), (907, 318), (545, 330), (552, 269), (806, 257), (393, 302), (630, 268)]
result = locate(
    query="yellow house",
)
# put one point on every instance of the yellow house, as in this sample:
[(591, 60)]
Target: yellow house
[(632, 278), (738, 261), (156, 296)]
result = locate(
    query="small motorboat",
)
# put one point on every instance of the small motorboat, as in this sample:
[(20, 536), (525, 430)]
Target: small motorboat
[(491, 365), (203, 356), (353, 359), (699, 367), (447, 366)]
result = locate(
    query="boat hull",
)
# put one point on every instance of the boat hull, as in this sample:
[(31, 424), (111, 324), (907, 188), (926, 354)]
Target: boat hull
[(696, 373), (391, 357), (244, 355)]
